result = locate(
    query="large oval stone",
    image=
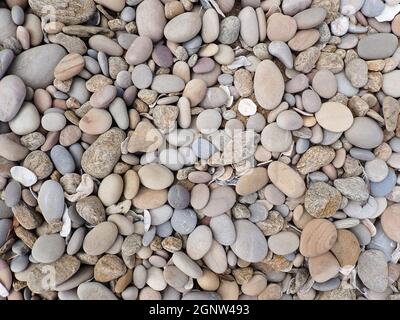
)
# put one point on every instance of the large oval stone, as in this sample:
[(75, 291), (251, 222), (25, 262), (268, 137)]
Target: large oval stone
[(36, 66), (269, 85), (250, 244)]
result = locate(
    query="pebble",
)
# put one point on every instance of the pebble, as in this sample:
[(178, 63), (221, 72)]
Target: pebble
[(223, 230), (147, 13), (317, 238), (268, 76), (178, 197), (334, 116), (51, 200), (353, 188), (39, 74), (100, 238), (252, 181), (183, 221), (23, 175), (283, 243), (155, 176), (221, 200), (368, 129), (322, 200), (250, 244), (373, 270), (13, 92), (199, 242), (174, 32), (48, 248), (100, 158), (229, 30), (347, 248), (390, 222), (377, 46), (276, 139), (275, 32), (94, 291), (286, 179)]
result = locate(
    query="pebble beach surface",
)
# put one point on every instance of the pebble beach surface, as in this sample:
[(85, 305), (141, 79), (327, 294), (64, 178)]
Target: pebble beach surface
[(199, 149)]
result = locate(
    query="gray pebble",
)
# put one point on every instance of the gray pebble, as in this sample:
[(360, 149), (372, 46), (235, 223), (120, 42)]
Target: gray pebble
[(19, 263), (372, 8), (382, 242), (17, 15), (258, 212), (302, 145), (178, 197), (165, 230), (184, 221), (20, 248), (6, 58), (103, 63), (76, 241), (362, 233), (202, 148), (142, 76), (12, 193), (5, 229), (381, 189), (128, 14), (91, 65), (149, 236), (362, 154), (331, 284), (229, 30), (62, 159)]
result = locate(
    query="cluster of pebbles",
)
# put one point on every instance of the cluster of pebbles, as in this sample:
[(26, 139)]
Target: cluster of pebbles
[(199, 149)]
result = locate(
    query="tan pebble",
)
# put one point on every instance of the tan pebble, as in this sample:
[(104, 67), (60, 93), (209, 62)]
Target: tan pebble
[(69, 66), (150, 199), (346, 248), (324, 267), (334, 116), (272, 292), (252, 181), (96, 121), (318, 237), (281, 27), (228, 290), (131, 184), (390, 220), (209, 281), (255, 285)]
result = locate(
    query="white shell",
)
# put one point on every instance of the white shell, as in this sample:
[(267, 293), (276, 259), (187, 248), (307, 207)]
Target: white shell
[(3, 291), (84, 189), (66, 228), (240, 61), (388, 13), (146, 220), (23, 175), (247, 107)]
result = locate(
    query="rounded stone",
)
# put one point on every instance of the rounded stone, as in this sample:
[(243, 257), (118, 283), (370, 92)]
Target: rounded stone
[(155, 176), (364, 133), (48, 248), (283, 243), (199, 242), (334, 116), (174, 32), (276, 139), (184, 221), (100, 238), (250, 244), (51, 200)]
